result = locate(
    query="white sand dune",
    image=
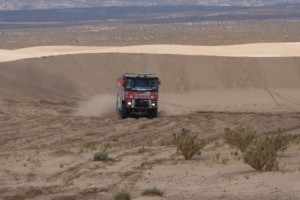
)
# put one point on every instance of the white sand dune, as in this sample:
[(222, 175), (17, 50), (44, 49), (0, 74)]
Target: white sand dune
[(244, 50)]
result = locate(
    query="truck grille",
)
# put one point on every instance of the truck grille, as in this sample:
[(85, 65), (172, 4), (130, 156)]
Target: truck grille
[(141, 103)]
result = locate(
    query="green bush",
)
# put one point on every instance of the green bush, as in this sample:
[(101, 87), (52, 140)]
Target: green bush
[(188, 144), (240, 138), (153, 191), (122, 195)]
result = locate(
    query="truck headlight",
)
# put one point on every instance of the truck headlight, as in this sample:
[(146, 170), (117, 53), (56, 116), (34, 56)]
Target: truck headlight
[(153, 104), (129, 103)]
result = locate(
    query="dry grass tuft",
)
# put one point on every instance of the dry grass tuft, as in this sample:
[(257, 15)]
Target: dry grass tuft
[(240, 138), (188, 144), (122, 195), (153, 191), (262, 152), (261, 155), (102, 156)]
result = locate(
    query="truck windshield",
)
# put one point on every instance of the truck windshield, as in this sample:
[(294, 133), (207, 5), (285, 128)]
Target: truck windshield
[(140, 84)]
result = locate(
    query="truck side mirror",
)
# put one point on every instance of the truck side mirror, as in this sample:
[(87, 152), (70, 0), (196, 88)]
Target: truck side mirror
[(123, 82), (159, 82)]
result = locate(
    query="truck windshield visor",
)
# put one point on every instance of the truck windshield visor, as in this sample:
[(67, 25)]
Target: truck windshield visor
[(141, 84)]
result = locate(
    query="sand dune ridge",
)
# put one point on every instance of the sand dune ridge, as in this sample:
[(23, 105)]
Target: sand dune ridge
[(244, 50)]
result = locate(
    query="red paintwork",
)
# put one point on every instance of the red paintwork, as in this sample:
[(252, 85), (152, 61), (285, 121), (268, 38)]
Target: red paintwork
[(129, 95)]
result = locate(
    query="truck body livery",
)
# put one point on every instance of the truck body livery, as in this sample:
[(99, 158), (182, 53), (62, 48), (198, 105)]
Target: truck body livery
[(137, 94)]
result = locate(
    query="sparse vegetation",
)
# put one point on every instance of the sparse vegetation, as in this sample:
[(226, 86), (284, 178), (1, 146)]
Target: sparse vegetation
[(153, 191), (235, 155), (261, 154), (122, 195), (37, 162), (5, 155), (217, 144), (225, 161), (280, 141), (62, 151), (188, 144), (143, 150), (147, 165), (166, 143), (102, 156), (80, 150), (160, 161), (217, 157), (103, 189), (107, 146), (89, 146), (240, 138), (150, 142), (115, 140)]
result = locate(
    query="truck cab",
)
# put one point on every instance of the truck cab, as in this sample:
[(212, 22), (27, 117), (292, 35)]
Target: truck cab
[(137, 94)]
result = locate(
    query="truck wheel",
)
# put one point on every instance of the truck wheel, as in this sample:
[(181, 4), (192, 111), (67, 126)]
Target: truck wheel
[(124, 112), (154, 113)]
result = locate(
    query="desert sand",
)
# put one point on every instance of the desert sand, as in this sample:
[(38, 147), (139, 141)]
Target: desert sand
[(243, 50), (57, 108)]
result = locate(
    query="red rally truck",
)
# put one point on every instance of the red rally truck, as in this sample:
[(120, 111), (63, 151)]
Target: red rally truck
[(137, 94)]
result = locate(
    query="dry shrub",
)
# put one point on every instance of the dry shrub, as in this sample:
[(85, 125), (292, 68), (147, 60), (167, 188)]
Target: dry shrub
[(240, 138), (62, 152), (102, 156), (280, 141), (122, 195), (153, 191), (103, 189), (188, 144), (261, 153)]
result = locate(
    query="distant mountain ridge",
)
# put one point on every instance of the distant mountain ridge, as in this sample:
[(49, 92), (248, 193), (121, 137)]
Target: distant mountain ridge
[(54, 4)]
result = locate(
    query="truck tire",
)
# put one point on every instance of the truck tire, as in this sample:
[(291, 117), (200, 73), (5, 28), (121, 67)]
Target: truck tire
[(124, 112), (154, 113)]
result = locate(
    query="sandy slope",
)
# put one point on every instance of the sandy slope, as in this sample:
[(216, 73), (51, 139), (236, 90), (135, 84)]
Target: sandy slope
[(56, 111), (245, 50), (46, 153), (188, 82)]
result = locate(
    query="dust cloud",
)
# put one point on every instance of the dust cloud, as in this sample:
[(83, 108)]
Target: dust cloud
[(99, 106), (166, 109)]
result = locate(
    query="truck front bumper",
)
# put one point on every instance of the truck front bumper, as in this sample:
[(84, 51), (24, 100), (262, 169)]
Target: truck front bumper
[(141, 104)]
